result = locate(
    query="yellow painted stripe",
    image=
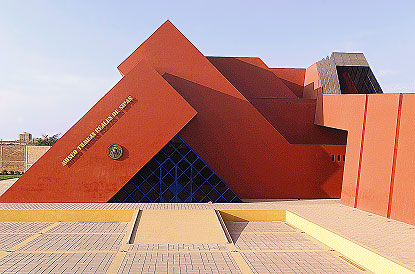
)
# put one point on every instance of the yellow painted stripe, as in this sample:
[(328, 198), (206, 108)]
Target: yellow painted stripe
[(31, 238), (352, 250), (282, 251), (63, 251), (64, 233), (264, 232), (239, 260), (179, 251), (167, 251), (3, 254), (66, 215)]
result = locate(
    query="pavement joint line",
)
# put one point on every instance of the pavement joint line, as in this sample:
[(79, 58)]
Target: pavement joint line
[(179, 251), (63, 251), (3, 254), (293, 227), (229, 250), (63, 233), (264, 232), (31, 238), (239, 260), (314, 240), (119, 256), (352, 263), (167, 251), (282, 251), (81, 233)]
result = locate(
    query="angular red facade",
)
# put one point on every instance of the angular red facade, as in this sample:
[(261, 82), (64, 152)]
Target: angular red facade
[(263, 133)]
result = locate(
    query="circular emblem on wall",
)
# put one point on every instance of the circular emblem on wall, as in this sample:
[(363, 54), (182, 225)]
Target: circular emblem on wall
[(114, 151)]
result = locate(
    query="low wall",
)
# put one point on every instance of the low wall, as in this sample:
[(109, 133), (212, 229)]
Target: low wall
[(19, 157)]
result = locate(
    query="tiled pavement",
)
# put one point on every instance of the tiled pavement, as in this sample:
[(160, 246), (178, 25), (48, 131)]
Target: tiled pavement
[(177, 247), (75, 242), (184, 262), (272, 241), (297, 262), (387, 237), (75, 247), (56, 263), (266, 247), (274, 247), (40, 251), (7, 241), (16, 227), (89, 227)]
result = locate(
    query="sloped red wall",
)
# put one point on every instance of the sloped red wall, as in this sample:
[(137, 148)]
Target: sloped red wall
[(155, 117), (171, 81)]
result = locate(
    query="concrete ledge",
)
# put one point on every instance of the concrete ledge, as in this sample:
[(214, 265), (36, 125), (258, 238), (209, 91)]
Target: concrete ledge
[(66, 215), (363, 256), (354, 251)]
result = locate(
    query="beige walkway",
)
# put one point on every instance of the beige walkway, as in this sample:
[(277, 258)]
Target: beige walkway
[(179, 227)]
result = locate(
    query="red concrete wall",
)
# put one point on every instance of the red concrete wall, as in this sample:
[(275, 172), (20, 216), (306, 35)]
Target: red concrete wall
[(403, 186), (255, 160), (292, 78), (156, 116), (377, 154), (378, 173), (346, 112), (293, 118), (312, 85)]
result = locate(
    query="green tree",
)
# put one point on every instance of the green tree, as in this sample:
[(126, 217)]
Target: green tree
[(47, 140)]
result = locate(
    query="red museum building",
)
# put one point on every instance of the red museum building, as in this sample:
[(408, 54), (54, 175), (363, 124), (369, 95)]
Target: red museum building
[(184, 127)]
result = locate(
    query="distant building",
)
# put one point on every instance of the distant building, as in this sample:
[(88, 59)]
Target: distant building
[(26, 137), (20, 155)]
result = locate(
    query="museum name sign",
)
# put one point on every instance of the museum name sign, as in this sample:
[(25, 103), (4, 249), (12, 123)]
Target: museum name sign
[(97, 130)]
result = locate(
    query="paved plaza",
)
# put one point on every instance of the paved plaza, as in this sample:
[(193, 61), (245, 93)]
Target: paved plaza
[(255, 247)]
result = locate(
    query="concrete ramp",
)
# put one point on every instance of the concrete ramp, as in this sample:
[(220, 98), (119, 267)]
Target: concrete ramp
[(179, 227)]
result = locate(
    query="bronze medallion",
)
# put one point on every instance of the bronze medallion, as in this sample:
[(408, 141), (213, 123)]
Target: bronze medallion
[(114, 151)]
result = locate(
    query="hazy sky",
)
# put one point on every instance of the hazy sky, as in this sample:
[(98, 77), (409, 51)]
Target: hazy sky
[(57, 58)]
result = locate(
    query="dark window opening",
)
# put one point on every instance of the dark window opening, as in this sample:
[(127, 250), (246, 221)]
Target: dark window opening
[(175, 174), (357, 79)]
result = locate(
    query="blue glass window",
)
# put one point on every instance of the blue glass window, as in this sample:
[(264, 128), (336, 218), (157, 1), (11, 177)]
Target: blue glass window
[(175, 174)]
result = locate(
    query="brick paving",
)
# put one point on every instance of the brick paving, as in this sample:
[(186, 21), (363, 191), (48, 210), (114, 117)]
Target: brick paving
[(89, 227), (75, 242), (267, 247), (177, 247), (187, 262), (7, 241), (22, 227), (274, 247), (237, 227), (285, 241), (297, 262), (56, 263)]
